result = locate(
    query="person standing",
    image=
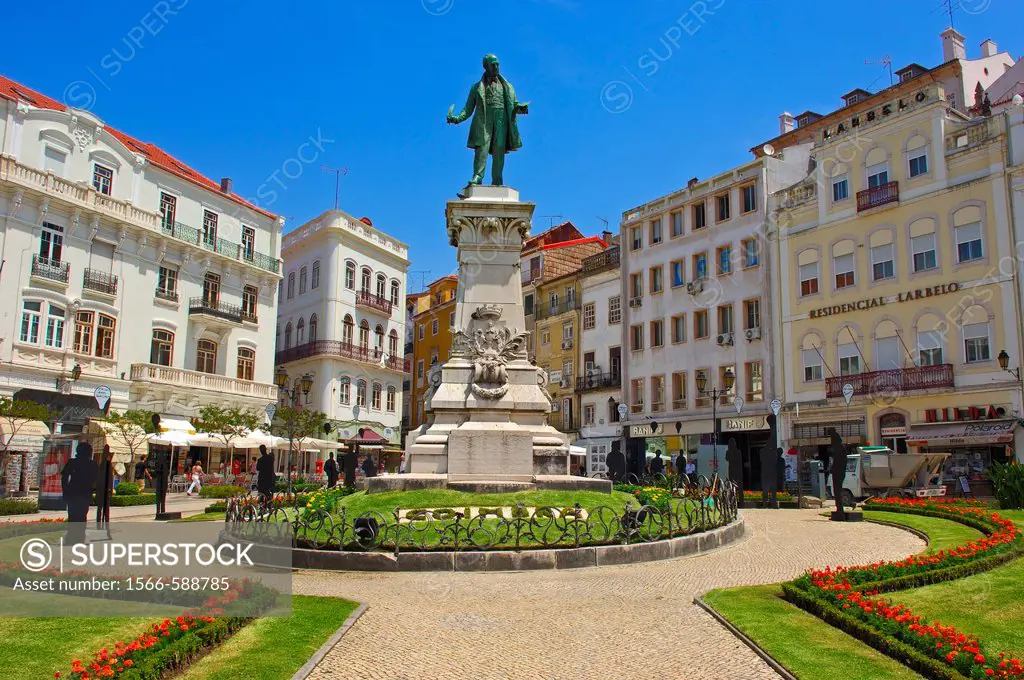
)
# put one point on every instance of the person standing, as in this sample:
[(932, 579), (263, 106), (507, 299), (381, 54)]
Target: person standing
[(142, 471), (657, 464), (197, 477), (265, 479), (331, 470), (77, 481)]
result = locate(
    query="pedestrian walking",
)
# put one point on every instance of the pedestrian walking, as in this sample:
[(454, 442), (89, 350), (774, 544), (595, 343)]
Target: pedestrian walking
[(197, 476)]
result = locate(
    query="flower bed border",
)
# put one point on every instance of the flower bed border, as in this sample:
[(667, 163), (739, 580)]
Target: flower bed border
[(827, 611)]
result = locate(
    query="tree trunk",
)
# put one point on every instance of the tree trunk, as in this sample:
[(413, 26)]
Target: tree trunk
[(23, 477)]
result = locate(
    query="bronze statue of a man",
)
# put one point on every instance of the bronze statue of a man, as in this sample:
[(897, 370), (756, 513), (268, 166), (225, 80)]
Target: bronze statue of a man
[(493, 105)]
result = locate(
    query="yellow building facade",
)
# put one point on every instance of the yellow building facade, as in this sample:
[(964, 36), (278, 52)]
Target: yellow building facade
[(891, 282), (432, 338), (557, 314)]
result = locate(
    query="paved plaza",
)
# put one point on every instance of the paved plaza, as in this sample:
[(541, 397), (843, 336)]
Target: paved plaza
[(619, 623)]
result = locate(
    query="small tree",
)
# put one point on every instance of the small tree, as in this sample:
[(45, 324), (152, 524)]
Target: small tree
[(132, 428), (228, 423), (14, 413), (298, 424)]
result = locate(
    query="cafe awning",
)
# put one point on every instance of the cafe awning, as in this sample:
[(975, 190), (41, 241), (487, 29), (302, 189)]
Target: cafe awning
[(176, 425), (26, 435), (977, 432), (120, 451)]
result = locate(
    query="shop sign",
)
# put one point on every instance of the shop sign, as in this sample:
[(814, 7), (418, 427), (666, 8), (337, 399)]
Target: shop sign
[(900, 431), (743, 424), (880, 113), (951, 414), (641, 431), (870, 303)]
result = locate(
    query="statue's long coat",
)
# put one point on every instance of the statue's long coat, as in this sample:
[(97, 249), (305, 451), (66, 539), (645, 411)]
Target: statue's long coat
[(479, 130)]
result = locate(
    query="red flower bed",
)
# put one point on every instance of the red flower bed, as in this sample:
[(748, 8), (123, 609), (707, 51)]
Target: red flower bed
[(842, 589)]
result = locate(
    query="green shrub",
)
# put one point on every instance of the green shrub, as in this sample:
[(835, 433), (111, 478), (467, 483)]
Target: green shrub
[(1008, 483), (221, 491), (138, 499), (17, 506), (126, 489), (219, 506)]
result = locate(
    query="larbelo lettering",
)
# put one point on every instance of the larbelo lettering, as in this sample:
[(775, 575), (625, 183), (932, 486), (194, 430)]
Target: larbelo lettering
[(869, 303), (873, 115)]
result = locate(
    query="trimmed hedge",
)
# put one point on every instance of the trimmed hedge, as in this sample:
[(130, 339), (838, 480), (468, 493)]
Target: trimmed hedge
[(128, 501), (126, 489), (221, 491), (18, 506)]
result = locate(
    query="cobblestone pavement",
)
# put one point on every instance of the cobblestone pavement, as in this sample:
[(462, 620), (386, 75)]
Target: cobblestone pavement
[(132, 513), (620, 623)]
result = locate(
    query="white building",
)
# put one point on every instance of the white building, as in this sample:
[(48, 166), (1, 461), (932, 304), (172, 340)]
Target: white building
[(695, 305), (123, 267), (342, 319), (599, 386)]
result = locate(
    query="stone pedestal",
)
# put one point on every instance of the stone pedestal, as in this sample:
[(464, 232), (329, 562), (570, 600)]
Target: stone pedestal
[(488, 405)]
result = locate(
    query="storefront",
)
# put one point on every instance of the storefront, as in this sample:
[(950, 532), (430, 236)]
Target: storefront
[(751, 434), (645, 441), (24, 445), (974, 445)]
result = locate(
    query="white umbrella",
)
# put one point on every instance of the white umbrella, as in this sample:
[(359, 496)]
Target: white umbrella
[(172, 438), (256, 438)]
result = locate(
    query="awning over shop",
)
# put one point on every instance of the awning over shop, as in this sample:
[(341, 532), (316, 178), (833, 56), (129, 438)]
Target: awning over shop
[(979, 432), (120, 450), (176, 425), (577, 451), (26, 435)]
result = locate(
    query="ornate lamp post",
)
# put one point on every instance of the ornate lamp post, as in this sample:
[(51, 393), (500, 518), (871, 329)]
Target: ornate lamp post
[(702, 383), (1004, 363), (300, 388)]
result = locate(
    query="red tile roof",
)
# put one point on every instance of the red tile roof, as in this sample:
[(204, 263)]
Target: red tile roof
[(576, 242), (14, 91), (563, 232)]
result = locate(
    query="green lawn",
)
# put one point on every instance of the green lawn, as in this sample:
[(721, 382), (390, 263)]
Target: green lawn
[(204, 517), (941, 533), (385, 503), (266, 649), (797, 640), (274, 648)]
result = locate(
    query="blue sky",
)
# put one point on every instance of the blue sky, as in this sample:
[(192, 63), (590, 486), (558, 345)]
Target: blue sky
[(628, 100)]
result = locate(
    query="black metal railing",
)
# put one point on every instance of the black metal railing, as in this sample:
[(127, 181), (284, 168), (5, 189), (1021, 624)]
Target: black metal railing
[(347, 350), (697, 505), (893, 381), (55, 270), (169, 295), (365, 298), (215, 308), (545, 311), (101, 282), (876, 196), (598, 381), (219, 245)]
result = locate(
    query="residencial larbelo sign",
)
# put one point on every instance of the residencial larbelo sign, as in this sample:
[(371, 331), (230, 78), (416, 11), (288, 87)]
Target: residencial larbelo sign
[(875, 114), (861, 305)]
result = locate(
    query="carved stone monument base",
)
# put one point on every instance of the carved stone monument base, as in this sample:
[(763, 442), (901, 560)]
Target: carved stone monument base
[(487, 407)]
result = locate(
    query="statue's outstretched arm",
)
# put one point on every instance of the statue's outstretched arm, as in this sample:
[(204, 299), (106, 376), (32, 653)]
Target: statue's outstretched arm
[(467, 110)]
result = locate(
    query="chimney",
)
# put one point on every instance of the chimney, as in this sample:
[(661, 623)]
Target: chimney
[(787, 123), (989, 48), (225, 185), (692, 183), (952, 45), (605, 235)]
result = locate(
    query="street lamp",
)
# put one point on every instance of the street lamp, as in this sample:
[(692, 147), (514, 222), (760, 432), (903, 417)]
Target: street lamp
[(702, 383), (298, 390), (1004, 362)]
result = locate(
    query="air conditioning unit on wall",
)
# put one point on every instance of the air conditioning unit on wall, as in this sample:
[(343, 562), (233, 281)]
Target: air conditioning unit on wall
[(753, 333), (725, 339)]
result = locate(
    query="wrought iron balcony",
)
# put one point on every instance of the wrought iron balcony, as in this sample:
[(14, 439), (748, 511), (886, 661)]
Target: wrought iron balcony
[(608, 259), (365, 298), (545, 311), (877, 196), (598, 381), (215, 308), (169, 295), (54, 270), (894, 381), (336, 348), (101, 282)]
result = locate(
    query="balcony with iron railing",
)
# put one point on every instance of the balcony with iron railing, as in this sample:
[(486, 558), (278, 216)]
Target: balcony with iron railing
[(100, 282), (85, 196), (878, 196), (608, 259), (345, 350), (215, 308), (169, 295), (365, 298), (51, 270), (196, 380), (598, 381), (893, 381), (548, 310)]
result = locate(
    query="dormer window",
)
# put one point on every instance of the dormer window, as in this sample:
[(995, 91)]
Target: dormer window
[(904, 77)]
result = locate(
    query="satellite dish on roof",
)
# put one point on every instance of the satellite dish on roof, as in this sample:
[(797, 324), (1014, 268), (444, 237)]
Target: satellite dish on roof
[(768, 150)]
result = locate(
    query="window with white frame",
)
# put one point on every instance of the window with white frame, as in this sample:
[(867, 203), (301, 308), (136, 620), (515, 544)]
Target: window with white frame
[(434, 327), (929, 348), (678, 268), (677, 224), (808, 279), (888, 354), (588, 415), (750, 198), (976, 343), (315, 283), (878, 174), (923, 249), (345, 391), (840, 188), (849, 359), (375, 396), (350, 275), (51, 243), (303, 279), (968, 242), (636, 238), (102, 179), (391, 398), (636, 389), (812, 364), (614, 310), (656, 235), (679, 328), (568, 331), (917, 157), (31, 314), (845, 274), (54, 161), (883, 264), (589, 316), (54, 336)]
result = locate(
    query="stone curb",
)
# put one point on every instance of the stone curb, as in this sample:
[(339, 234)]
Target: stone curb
[(326, 647), (509, 560), (742, 637), (910, 530)]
